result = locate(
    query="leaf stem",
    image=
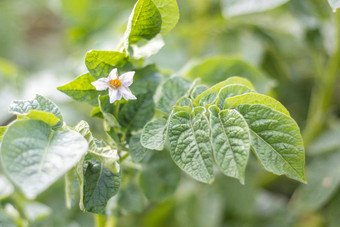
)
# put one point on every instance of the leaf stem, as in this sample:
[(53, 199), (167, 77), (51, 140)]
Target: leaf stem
[(321, 98), (100, 220)]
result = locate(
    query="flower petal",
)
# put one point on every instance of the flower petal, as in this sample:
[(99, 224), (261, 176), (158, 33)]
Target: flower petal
[(113, 74), (127, 78), (114, 94), (101, 84), (126, 93)]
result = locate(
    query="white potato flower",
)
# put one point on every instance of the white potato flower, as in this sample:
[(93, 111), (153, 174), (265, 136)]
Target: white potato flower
[(118, 85)]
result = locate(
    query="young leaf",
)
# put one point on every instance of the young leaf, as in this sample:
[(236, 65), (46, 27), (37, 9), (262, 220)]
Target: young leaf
[(159, 176), (100, 63), (276, 140), (131, 199), (144, 23), (209, 96), (40, 103), (323, 182), (105, 154), (154, 134), (217, 69), (255, 98), (97, 185), (82, 90), (136, 150), (230, 91), (172, 90), (198, 90), (34, 156), (241, 7), (190, 146), (46, 117), (230, 140)]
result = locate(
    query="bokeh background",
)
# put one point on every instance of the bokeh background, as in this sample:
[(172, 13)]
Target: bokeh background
[(293, 49)]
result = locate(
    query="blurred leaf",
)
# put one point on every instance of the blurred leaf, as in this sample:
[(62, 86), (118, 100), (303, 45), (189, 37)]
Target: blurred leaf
[(6, 220), (70, 188), (169, 13), (241, 7), (171, 91), (7, 69), (100, 63), (328, 141), (6, 188), (35, 211), (131, 199), (97, 185), (190, 146), (254, 98), (136, 150), (81, 90), (105, 154), (230, 139), (216, 69), (35, 156), (150, 48), (41, 104), (2, 131), (276, 140), (154, 134), (323, 181), (159, 176), (335, 4)]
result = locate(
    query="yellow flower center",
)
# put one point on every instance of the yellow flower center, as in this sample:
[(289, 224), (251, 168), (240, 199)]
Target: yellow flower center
[(115, 83)]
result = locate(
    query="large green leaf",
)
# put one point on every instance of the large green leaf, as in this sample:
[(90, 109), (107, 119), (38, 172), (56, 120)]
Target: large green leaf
[(131, 199), (335, 4), (105, 154), (230, 138), (40, 108), (136, 150), (159, 176), (154, 134), (169, 13), (35, 156), (241, 7), (97, 185), (323, 182), (217, 69), (190, 146), (171, 91), (82, 90), (255, 98), (144, 23), (276, 140), (100, 63)]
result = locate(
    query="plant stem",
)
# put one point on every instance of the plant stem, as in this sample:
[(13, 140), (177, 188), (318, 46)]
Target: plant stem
[(322, 94), (100, 220)]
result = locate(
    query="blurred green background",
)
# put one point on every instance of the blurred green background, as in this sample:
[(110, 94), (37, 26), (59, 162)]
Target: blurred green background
[(292, 49)]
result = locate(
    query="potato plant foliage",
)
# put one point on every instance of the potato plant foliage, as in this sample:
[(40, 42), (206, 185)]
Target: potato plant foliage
[(176, 124)]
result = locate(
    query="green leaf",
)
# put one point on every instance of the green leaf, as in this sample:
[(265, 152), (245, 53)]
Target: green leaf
[(190, 146), (276, 140), (323, 183), (100, 63), (2, 131), (6, 188), (105, 154), (131, 199), (34, 156), (241, 7), (169, 13), (210, 95), (82, 90), (154, 134), (96, 112), (39, 105), (46, 117), (171, 91), (198, 90), (144, 23), (255, 98), (136, 150), (70, 188), (97, 185), (133, 115), (217, 69), (230, 138), (230, 91), (335, 4), (328, 141), (35, 211), (159, 176), (147, 48)]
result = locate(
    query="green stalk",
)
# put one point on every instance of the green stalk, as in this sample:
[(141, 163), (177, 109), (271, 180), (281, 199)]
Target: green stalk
[(322, 94), (100, 220)]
